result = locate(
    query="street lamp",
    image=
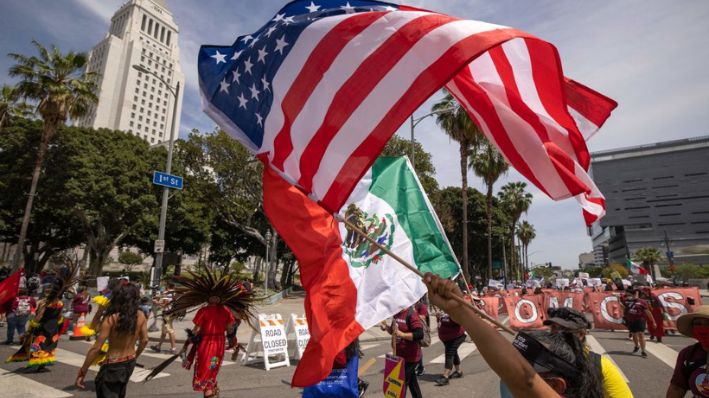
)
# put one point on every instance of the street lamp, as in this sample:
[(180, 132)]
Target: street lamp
[(416, 121), (157, 271), (265, 274)]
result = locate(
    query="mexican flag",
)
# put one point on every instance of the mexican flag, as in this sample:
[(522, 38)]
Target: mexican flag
[(352, 285), (636, 268), (389, 204)]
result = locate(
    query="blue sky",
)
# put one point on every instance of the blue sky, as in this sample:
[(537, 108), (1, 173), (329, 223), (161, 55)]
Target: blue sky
[(651, 56)]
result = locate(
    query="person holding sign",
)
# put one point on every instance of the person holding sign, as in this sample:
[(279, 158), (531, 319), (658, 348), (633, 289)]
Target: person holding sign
[(408, 329)]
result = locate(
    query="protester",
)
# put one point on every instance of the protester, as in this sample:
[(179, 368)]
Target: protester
[(19, 311), (38, 348), (558, 358), (422, 310), (658, 311), (80, 303), (569, 320), (408, 329), (452, 335), (164, 302), (224, 295), (691, 368), (637, 311), (500, 354), (145, 306), (124, 325)]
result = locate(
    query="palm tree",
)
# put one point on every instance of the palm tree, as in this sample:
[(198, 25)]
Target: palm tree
[(10, 106), (525, 234), (61, 89), (489, 165), (515, 202), (648, 256), (454, 120)]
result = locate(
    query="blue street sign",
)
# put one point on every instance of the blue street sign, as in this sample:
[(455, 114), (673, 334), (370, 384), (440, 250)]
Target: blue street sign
[(167, 180)]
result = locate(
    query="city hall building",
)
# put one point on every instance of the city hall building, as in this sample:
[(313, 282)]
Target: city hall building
[(657, 196), (142, 32)]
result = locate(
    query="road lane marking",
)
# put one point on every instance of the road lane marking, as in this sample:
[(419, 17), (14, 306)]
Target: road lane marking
[(598, 349), (16, 386), (368, 346), (464, 350), (77, 360), (662, 352)]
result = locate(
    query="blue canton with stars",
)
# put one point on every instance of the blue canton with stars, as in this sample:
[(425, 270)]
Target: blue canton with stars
[(235, 81)]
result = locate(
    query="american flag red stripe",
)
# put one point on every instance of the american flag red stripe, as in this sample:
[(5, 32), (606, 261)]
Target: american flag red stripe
[(347, 81)]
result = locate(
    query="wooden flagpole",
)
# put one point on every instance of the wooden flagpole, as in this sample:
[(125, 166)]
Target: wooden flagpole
[(419, 273)]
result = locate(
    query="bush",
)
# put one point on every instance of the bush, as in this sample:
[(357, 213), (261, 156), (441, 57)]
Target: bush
[(689, 271), (129, 258), (619, 268)]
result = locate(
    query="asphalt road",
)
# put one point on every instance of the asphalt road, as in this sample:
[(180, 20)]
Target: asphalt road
[(648, 377)]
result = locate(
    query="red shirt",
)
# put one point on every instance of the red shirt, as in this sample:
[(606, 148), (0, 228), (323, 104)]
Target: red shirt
[(448, 329), (409, 350), (14, 304), (688, 375), (636, 309), (213, 319)]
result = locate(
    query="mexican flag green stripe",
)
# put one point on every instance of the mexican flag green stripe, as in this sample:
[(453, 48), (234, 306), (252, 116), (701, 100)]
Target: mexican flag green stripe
[(432, 252)]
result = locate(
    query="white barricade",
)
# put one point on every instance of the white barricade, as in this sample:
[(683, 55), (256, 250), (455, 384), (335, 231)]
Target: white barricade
[(271, 345), (298, 325)]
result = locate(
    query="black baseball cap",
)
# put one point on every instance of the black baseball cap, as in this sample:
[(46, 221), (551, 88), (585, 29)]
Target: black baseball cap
[(541, 358), (568, 318)]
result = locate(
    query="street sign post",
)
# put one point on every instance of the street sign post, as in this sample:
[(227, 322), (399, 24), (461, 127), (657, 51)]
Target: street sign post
[(159, 246), (167, 180)]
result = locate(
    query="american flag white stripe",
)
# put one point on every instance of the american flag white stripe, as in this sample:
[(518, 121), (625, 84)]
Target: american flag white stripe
[(289, 70), (383, 97), (343, 67)]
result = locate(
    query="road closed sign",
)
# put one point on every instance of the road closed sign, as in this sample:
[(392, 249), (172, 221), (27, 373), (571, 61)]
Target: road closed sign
[(298, 326), (272, 348)]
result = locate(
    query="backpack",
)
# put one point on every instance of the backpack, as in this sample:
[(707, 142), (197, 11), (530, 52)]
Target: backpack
[(23, 307), (426, 340)]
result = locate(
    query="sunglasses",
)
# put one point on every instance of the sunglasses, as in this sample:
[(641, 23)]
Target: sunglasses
[(536, 353)]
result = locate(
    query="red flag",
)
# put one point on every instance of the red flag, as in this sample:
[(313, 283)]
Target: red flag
[(313, 236), (9, 288)]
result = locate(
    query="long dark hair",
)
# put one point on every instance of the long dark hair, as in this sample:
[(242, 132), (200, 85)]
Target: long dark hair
[(568, 347), (125, 301)]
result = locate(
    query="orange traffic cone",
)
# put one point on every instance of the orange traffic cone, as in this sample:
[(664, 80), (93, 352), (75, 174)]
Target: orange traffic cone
[(77, 334)]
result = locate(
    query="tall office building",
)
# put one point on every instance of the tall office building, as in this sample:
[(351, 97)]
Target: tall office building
[(142, 33), (657, 196)]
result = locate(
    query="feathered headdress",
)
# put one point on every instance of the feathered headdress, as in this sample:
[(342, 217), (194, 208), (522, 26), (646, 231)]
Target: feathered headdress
[(66, 277), (195, 289)]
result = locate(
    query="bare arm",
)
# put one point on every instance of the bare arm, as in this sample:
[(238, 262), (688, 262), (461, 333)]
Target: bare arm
[(94, 351), (675, 392), (650, 318), (499, 353), (142, 334)]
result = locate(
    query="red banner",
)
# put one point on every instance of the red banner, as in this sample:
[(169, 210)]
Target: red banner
[(606, 310), (676, 301), (564, 299), (525, 312), (9, 288), (492, 306)]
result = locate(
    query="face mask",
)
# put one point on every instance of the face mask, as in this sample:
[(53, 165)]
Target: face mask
[(701, 333)]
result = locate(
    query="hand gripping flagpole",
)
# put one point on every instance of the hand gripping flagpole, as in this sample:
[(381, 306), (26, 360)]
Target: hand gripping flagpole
[(419, 273)]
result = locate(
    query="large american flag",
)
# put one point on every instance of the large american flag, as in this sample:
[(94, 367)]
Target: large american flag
[(317, 92)]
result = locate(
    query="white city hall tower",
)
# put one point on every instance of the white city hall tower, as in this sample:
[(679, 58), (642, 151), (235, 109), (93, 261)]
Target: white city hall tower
[(142, 33)]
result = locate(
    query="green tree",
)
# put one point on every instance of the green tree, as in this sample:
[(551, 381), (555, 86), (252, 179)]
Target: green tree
[(456, 123), (62, 89), (423, 163), (648, 256), (619, 268), (515, 202), (11, 107), (488, 164), (525, 234), (129, 259)]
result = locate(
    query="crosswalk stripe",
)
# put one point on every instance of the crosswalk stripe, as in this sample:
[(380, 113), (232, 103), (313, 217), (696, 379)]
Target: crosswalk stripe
[(598, 349), (464, 350), (368, 346), (77, 360), (662, 352), (23, 387)]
